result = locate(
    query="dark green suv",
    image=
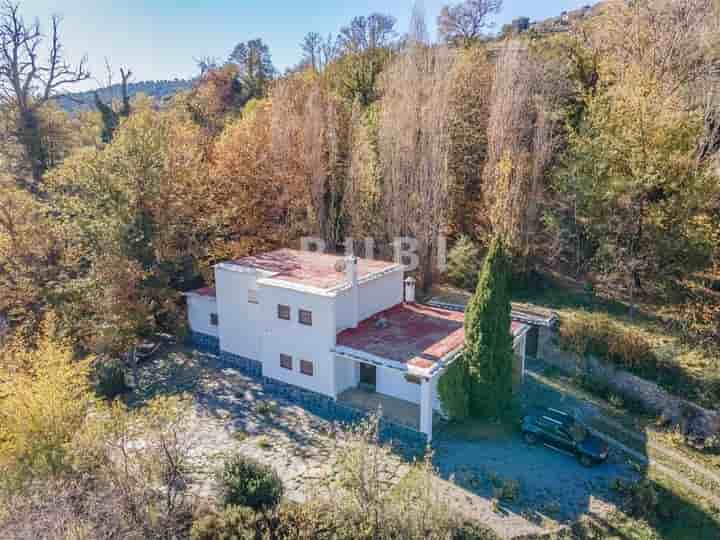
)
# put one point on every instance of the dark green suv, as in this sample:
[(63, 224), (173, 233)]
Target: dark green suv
[(560, 431)]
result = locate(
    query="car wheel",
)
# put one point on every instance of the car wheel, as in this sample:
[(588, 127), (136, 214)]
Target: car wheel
[(529, 437), (586, 461)]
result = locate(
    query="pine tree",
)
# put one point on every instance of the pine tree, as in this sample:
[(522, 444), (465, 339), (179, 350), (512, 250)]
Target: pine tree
[(488, 341)]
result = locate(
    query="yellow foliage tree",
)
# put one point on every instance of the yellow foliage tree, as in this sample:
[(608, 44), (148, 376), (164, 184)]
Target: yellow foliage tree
[(45, 396)]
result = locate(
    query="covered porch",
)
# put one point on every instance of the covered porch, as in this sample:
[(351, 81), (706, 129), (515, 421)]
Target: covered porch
[(397, 410)]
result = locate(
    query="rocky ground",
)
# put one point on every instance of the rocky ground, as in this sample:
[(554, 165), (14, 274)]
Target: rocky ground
[(514, 488)]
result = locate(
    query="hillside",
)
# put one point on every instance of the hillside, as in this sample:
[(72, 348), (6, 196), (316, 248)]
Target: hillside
[(158, 90)]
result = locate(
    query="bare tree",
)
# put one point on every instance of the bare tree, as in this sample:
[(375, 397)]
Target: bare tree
[(368, 33), (311, 44), (463, 24), (28, 81), (309, 143), (520, 144), (318, 52), (111, 117), (414, 144)]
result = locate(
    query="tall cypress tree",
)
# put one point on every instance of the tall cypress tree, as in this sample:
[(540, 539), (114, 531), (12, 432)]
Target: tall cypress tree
[(488, 340)]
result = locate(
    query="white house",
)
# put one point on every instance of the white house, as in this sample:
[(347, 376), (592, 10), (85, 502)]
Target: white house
[(345, 328)]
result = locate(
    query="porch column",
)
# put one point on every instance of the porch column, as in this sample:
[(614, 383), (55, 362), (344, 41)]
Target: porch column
[(426, 413)]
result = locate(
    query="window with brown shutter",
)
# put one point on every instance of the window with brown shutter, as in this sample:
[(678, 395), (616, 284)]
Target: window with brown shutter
[(306, 367), (305, 317), (286, 361), (283, 312)]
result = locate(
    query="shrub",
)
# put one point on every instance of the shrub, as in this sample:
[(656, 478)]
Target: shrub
[(232, 523), (641, 499), (464, 263), (246, 482), (453, 391), (596, 334), (110, 379)]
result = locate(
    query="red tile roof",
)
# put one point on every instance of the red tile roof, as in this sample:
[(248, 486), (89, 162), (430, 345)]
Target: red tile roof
[(413, 334), (309, 268)]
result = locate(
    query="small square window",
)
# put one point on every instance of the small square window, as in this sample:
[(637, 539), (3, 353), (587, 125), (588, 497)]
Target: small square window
[(283, 312), (306, 367), (286, 361), (252, 296), (213, 319), (305, 317)]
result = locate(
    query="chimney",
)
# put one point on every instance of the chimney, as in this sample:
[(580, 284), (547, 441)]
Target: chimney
[(409, 289), (351, 274)]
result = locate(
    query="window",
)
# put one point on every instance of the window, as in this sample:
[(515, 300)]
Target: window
[(286, 361), (213, 319), (283, 312), (305, 317), (306, 367), (252, 296)]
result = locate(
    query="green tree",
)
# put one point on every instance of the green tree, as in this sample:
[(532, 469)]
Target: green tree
[(255, 67), (464, 263), (488, 341), (454, 390)]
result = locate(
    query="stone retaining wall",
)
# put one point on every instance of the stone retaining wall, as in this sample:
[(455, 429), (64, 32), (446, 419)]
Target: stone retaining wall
[(325, 406), (696, 422)]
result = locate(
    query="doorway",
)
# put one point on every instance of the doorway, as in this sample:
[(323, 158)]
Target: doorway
[(368, 377)]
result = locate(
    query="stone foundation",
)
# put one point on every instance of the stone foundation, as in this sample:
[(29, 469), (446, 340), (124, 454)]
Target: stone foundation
[(246, 366), (325, 406), (205, 342)]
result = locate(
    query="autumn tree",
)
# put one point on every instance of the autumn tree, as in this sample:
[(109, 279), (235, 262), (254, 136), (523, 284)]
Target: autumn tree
[(28, 82), (45, 397), (125, 211), (521, 137), (363, 200), (215, 99), (306, 115), (29, 254), (463, 24), (469, 114), (638, 169)]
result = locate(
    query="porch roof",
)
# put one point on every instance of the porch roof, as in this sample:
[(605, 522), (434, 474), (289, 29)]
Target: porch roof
[(415, 335)]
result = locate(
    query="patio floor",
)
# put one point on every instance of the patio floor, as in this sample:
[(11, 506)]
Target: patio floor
[(394, 409)]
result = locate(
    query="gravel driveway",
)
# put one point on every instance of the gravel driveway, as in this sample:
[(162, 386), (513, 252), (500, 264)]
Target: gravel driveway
[(233, 413)]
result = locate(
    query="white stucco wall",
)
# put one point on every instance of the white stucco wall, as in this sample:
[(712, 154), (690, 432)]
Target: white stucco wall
[(302, 342), (381, 294), (437, 404), (392, 383), (239, 320), (199, 310), (347, 374), (376, 295)]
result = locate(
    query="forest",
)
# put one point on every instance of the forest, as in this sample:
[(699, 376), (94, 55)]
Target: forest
[(593, 150)]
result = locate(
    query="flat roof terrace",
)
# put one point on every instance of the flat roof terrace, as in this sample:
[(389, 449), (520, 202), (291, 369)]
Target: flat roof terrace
[(412, 334), (310, 268)]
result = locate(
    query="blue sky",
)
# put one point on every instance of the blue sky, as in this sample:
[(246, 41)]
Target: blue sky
[(158, 39)]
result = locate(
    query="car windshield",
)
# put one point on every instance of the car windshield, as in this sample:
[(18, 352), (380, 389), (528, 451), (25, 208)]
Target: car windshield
[(578, 432)]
